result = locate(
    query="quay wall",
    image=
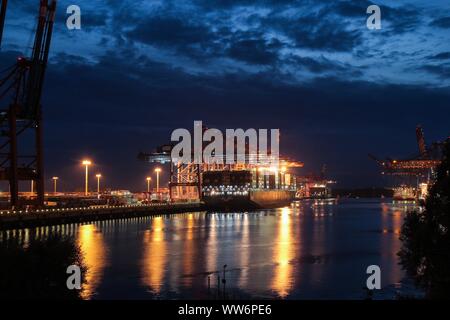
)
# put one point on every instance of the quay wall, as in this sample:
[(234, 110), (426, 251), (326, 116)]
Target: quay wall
[(45, 217)]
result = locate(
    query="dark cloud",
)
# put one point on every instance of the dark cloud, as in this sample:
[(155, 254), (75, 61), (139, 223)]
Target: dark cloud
[(254, 51), (441, 56), (229, 4), (441, 23), (350, 8), (401, 19), (315, 31), (327, 36), (94, 20), (170, 31), (323, 65), (443, 71)]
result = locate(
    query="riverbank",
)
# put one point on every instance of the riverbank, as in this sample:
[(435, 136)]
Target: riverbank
[(46, 217)]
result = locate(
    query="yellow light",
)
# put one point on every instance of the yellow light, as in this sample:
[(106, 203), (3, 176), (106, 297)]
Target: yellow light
[(98, 175), (86, 163), (283, 169), (149, 179), (157, 170), (55, 178)]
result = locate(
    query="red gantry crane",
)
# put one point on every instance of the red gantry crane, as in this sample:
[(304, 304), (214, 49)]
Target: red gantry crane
[(421, 165), (21, 111), (420, 169), (2, 18)]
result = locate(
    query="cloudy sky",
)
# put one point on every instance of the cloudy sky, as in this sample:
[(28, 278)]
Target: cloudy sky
[(139, 69)]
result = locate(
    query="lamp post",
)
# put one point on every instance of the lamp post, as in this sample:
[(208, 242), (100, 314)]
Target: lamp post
[(86, 163), (149, 179), (158, 171), (98, 175), (55, 179)]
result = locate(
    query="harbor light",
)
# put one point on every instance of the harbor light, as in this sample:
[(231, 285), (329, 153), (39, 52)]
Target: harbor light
[(158, 171), (55, 180), (149, 179), (86, 163), (98, 175)]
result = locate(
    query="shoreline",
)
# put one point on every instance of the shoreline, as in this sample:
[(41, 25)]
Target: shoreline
[(47, 217)]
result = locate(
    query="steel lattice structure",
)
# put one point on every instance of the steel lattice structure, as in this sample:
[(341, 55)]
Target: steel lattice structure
[(21, 111), (421, 165)]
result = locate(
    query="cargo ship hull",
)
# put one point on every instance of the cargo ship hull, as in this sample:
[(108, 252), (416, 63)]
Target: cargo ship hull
[(255, 199)]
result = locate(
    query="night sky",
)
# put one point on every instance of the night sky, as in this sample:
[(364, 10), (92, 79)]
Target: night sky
[(137, 70)]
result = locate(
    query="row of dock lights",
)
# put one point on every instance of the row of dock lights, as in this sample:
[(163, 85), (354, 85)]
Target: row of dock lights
[(86, 208), (87, 164)]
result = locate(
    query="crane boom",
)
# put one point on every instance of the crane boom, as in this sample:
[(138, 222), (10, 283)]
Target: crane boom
[(39, 59)]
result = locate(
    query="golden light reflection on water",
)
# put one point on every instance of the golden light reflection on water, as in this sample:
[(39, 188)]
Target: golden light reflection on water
[(91, 241), (212, 245), (391, 223), (283, 253), (244, 253), (155, 256), (189, 251)]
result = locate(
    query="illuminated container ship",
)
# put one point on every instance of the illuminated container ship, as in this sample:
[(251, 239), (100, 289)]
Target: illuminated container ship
[(315, 186), (247, 189)]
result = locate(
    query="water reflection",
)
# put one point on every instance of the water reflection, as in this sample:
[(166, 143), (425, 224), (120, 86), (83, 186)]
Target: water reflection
[(283, 254), (155, 256), (189, 251), (307, 251), (244, 253), (391, 223), (212, 245), (91, 241)]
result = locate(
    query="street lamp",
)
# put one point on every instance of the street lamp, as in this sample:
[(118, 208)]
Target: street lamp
[(98, 175), (149, 179), (86, 163), (55, 179), (157, 170)]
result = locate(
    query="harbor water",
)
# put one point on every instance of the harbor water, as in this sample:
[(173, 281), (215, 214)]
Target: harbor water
[(309, 250)]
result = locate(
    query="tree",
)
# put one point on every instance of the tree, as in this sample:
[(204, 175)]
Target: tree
[(425, 236), (38, 270)]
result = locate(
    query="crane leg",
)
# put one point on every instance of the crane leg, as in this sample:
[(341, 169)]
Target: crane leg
[(2, 18)]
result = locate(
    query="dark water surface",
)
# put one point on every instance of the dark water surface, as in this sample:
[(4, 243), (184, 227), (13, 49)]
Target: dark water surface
[(306, 251)]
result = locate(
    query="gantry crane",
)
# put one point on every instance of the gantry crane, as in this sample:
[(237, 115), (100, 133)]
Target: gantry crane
[(20, 96), (421, 165), (3, 5)]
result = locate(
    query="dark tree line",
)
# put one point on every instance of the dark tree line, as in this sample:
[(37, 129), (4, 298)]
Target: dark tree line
[(38, 269), (425, 253)]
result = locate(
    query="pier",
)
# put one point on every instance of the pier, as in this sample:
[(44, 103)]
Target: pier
[(44, 217)]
